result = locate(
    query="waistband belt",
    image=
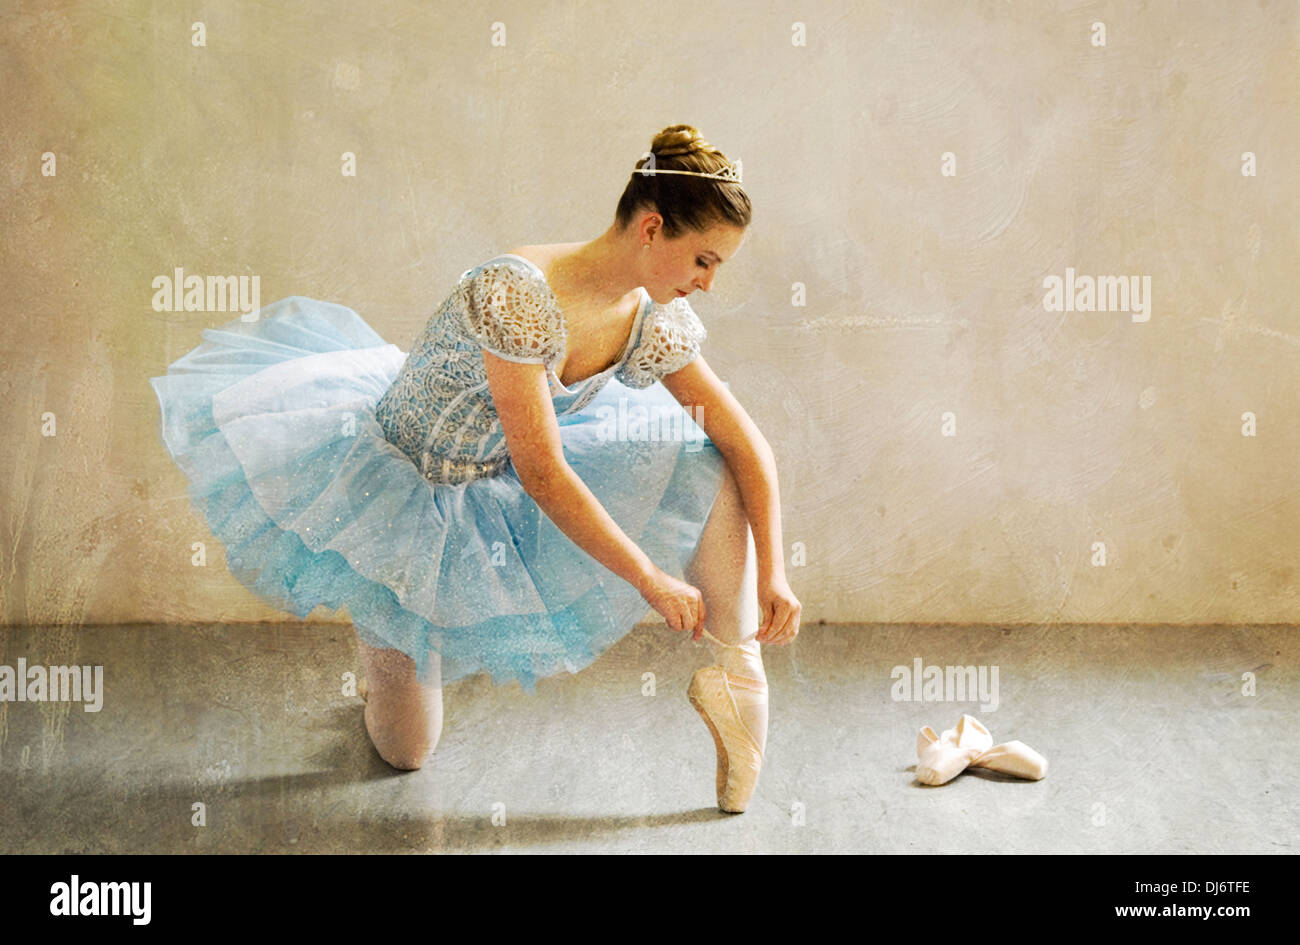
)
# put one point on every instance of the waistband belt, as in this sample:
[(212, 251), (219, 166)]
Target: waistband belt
[(448, 470)]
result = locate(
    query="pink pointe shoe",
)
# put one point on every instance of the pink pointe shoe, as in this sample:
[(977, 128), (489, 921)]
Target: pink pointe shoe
[(969, 745), (1015, 758), (739, 757), (942, 758)]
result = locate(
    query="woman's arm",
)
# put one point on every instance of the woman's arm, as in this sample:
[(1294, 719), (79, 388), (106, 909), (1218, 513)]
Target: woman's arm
[(523, 401), (747, 452), (522, 398)]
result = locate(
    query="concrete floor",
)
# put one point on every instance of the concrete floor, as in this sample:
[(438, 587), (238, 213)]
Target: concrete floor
[(1152, 748)]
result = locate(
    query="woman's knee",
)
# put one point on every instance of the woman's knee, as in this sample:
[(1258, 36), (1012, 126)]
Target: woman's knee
[(407, 754), (410, 759), (404, 733), (403, 716)]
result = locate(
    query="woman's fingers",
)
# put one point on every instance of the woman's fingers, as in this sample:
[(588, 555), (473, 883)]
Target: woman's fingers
[(775, 624), (684, 615), (784, 621), (792, 622), (692, 613)]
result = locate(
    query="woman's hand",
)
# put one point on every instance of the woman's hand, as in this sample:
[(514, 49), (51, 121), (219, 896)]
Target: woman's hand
[(680, 604), (778, 611)]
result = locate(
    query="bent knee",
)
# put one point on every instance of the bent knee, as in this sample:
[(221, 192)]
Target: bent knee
[(405, 762), (410, 756), (402, 741)]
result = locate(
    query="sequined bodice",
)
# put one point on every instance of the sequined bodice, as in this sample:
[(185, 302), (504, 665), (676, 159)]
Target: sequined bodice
[(439, 410)]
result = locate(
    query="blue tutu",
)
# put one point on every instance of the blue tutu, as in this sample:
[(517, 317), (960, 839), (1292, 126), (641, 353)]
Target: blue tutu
[(273, 423)]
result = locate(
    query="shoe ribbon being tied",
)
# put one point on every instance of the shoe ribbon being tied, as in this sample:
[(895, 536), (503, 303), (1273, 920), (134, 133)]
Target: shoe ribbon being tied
[(735, 646), (746, 667), (940, 758)]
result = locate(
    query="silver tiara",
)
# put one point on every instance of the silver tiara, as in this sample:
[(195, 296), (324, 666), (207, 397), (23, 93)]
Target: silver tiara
[(729, 172)]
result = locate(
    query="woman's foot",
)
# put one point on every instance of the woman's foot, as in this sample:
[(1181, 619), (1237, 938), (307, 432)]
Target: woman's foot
[(713, 692)]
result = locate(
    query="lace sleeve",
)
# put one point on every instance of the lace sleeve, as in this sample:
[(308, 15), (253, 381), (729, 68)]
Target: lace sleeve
[(508, 313), (668, 343)]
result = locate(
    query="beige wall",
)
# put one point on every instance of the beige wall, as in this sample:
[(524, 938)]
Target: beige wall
[(924, 291)]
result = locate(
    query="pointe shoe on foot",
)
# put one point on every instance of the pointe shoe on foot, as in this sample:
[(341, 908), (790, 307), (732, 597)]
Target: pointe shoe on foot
[(739, 757)]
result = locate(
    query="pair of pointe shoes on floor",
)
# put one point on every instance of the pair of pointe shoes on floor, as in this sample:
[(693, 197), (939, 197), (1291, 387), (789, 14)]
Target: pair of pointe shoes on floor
[(969, 745)]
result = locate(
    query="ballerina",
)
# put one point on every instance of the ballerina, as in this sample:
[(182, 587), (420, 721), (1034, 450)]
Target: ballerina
[(458, 498)]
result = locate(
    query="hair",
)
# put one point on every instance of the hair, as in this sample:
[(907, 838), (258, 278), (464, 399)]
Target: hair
[(685, 202)]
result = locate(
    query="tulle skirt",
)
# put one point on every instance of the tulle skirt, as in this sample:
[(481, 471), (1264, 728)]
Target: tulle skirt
[(272, 421)]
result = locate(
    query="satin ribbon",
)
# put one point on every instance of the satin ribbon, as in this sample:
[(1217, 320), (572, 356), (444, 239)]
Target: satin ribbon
[(734, 646)]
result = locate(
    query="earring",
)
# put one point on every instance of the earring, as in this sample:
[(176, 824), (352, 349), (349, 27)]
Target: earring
[(645, 245)]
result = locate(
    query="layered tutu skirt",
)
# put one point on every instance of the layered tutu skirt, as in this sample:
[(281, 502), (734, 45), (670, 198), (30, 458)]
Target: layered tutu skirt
[(272, 421)]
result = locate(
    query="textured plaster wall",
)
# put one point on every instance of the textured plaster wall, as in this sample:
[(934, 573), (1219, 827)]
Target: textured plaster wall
[(948, 448)]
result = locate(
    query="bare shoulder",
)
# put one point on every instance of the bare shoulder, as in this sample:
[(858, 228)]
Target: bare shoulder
[(542, 254)]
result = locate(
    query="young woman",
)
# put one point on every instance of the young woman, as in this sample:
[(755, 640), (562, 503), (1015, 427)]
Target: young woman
[(495, 500)]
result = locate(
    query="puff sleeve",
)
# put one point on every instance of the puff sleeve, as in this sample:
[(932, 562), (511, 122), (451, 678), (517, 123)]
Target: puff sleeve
[(668, 343), (508, 313)]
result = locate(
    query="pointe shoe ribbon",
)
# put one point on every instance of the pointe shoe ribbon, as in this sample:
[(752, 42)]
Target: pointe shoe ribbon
[(734, 646), (940, 758)]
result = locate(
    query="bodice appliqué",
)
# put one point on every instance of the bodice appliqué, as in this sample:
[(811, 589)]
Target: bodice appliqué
[(439, 410)]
